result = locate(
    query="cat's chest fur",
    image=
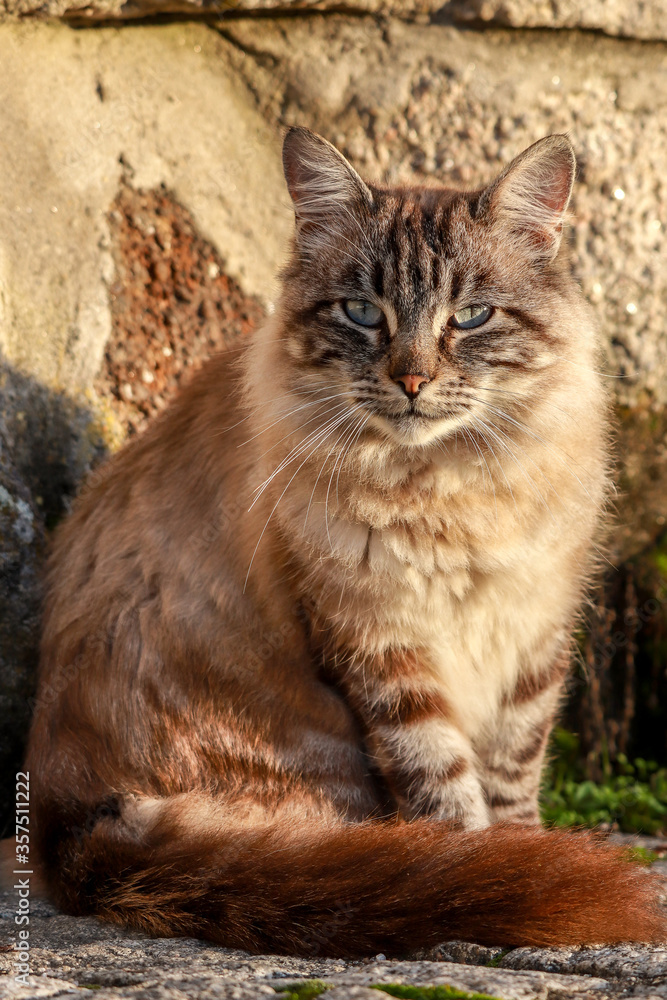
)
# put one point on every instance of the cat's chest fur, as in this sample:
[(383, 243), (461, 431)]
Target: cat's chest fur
[(439, 562)]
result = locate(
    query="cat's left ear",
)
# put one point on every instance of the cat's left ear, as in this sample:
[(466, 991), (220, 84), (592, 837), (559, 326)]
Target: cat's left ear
[(531, 196), (320, 181)]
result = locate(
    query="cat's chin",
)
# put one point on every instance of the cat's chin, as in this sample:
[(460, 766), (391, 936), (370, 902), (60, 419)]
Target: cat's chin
[(415, 431)]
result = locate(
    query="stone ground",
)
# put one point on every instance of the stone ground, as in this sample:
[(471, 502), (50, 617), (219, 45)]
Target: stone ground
[(71, 956)]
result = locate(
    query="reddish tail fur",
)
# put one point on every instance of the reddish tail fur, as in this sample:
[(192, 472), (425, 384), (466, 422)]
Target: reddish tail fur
[(360, 889)]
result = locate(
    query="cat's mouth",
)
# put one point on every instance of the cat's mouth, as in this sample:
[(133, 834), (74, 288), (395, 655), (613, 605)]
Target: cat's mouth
[(414, 426), (413, 413)]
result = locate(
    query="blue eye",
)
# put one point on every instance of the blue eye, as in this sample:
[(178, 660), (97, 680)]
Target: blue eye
[(362, 312), (470, 317)]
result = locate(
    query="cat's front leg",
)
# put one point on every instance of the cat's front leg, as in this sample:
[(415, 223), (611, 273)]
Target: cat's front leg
[(511, 755), (427, 763)]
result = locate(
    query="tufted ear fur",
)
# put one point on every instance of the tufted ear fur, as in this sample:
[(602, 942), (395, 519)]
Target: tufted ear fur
[(531, 196), (320, 180)]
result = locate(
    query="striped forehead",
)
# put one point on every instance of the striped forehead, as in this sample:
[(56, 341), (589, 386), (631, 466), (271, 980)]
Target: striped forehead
[(418, 243)]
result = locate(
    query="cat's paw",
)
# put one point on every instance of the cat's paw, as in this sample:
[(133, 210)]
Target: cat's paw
[(463, 807), (468, 815)]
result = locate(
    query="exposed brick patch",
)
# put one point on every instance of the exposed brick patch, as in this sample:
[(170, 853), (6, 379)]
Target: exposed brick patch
[(172, 305)]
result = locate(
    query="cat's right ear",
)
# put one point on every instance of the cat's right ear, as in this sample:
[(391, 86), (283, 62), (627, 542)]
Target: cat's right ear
[(320, 181), (531, 196)]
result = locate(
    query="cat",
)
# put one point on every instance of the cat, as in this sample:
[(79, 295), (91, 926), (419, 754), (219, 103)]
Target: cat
[(305, 638)]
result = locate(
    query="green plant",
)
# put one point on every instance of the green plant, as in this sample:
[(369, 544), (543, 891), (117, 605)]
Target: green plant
[(494, 963), (632, 796)]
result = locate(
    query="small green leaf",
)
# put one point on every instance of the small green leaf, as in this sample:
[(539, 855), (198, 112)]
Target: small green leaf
[(497, 959)]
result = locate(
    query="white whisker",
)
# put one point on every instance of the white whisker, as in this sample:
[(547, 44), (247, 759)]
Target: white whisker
[(290, 413), (521, 400), (488, 470), (537, 437), (301, 426), (283, 395), (496, 459), (361, 423), (297, 451), (275, 506), (326, 499)]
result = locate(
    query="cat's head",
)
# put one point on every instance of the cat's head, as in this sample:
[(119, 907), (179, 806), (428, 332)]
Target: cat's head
[(427, 308)]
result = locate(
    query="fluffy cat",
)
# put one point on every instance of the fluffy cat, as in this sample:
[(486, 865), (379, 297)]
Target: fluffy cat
[(304, 642)]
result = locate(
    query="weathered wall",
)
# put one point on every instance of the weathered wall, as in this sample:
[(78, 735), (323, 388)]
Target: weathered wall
[(627, 18), (78, 111)]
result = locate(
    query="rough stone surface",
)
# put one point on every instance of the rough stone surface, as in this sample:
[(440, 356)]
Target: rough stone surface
[(21, 551), (646, 19), (625, 18), (172, 306), (618, 962), (85, 10)]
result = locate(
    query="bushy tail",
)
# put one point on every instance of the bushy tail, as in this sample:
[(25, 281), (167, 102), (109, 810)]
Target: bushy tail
[(352, 890)]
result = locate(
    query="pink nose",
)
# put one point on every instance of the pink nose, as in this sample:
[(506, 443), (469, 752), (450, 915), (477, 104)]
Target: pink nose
[(412, 384)]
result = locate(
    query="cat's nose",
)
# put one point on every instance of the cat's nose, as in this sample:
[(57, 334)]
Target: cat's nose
[(412, 384)]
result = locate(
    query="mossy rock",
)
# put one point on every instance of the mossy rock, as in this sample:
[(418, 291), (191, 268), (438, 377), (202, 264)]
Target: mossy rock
[(310, 988)]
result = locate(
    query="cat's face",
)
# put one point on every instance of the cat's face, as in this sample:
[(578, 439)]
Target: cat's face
[(428, 310)]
